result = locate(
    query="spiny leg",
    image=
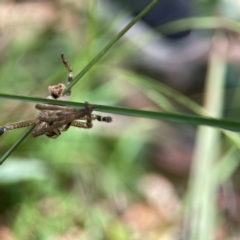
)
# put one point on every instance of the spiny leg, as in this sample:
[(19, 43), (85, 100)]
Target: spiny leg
[(70, 71), (21, 124), (98, 117), (87, 116), (101, 118), (89, 108), (79, 124)]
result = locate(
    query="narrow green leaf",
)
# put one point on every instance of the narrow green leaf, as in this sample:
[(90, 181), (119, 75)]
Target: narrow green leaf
[(14, 146), (202, 213), (173, 117), (109, 45), (200, 23)]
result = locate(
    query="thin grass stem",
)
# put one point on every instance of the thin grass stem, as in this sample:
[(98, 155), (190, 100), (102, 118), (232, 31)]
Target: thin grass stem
[(165, 116), (109, 45), (15, 145)]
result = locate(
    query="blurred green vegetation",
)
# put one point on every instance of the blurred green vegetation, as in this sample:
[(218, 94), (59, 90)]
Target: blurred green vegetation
[(104, 183), (48, 190)]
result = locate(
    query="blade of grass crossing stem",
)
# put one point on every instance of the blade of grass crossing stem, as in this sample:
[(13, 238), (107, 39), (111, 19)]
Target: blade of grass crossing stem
[(203, 186), (110, 44), (81, 74), (14, 146), (165, 116)]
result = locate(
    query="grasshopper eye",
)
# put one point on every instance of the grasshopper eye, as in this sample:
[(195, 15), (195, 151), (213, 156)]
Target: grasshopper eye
[(55, 96)]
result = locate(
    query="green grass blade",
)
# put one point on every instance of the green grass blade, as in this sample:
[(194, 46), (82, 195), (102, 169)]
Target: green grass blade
[(200, 23), (173, 117), (203, 186), (109, 45), (14, 146), (227, 165)]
